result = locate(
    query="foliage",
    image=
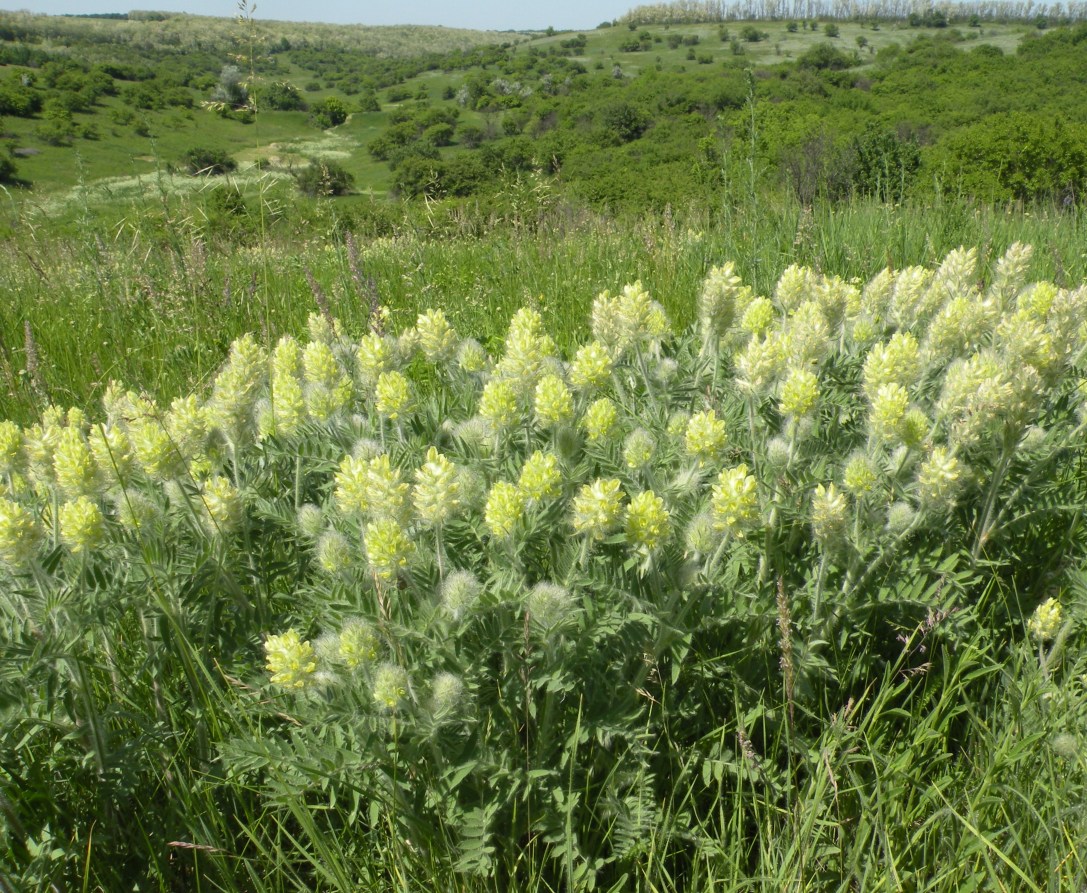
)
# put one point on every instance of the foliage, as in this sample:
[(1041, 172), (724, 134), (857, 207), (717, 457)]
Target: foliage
[(281, 96), (321, 177), (209, 162), (331, 112), (1018, 156)]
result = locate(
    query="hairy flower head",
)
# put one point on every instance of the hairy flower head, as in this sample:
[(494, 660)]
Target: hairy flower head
[(82, 526), (859, 476), (828, 513), (597, 507), (1045, 622), (554, 402), (19, 534), (717, 300), (887, 412), (437, 339), (11, 448), (648, 522), (638, 449), (799, 392), (540, 477), (706, 436), (357, 643), (498, 404), (73, 464), (939, 479), (390, 686), (334, 553), (289, 659), (505, 506), (591, 367), (460, 592), (895, 362), (388, 547), (599, 420), (437, 490), (758, 317), (222, 504), (392, 395), (735, 501)]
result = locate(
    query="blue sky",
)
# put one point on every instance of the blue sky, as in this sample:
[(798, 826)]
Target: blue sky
[(488, 14)]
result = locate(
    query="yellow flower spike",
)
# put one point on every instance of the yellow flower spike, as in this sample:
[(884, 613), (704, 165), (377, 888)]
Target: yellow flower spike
[(799, 392), (828, 513), (554, 402), (222, 505), (591, 367), (437, 339), (393, 395), (597, 507), (289, 659), (11, 447), (390, 686), (388, 547), (82, 526), (505, 506), (599, 420), (648, 522), (705, 437), (437, 489), (73, 464), (19, 534), (540, 478), (498, 404), (735, 501), (357, 643), (1045, 622)]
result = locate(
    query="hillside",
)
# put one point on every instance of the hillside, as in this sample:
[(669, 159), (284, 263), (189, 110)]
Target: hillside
[(636, 116)]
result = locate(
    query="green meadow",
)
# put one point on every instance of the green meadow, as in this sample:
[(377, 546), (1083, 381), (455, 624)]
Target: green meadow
[(646, 459)]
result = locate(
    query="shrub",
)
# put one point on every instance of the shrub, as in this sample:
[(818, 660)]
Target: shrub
[(282, 96), (323, 178), (209, 162), (330, 113)]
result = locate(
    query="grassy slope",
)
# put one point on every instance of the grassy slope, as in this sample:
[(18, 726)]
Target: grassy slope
[(281, 138)]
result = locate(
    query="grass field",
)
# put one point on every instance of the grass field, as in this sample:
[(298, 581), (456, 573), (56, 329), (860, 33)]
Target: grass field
[(504, 544)]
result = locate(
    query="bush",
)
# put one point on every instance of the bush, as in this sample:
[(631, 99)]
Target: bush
[(282, 96), (323, 178), (1018, 157), (8, 170), (202, 161), (330, 113)]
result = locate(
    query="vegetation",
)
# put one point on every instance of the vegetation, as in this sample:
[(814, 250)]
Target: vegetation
[(648, 459)]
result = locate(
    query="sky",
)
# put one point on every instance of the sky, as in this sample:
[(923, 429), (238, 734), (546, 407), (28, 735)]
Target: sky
[(497, 15)]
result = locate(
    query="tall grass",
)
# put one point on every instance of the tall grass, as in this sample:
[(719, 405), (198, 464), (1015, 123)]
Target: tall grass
[(152, 293)]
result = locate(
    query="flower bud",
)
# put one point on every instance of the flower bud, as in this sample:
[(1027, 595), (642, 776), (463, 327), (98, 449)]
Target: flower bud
[(1045, 622)]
